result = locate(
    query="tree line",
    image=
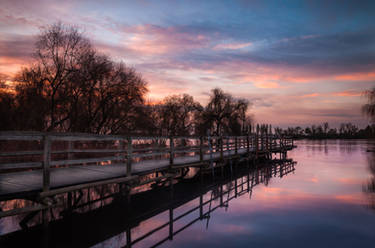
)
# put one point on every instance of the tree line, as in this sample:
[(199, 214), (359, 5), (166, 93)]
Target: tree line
[(345, 131), (71, 87), (323, 131)]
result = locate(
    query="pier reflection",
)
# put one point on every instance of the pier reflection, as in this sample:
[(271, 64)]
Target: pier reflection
[(103, 217)]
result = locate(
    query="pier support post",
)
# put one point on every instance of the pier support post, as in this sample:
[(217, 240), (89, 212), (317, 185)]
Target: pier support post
[(201, 207), (128, 238), (171, 224), (46, 234), (221, 195)]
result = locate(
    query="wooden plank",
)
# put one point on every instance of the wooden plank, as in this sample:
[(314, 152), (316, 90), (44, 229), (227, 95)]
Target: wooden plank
[(86, 160), (20, 137), (85, 138), (18, 211), (20, 153), (10, 188), (89, 151), (24, 165), (145, 155), (86, 185)]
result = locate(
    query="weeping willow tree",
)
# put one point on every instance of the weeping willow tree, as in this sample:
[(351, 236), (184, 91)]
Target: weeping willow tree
[(369, 108)]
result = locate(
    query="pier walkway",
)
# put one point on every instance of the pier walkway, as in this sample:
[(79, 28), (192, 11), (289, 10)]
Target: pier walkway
[(36, 165)]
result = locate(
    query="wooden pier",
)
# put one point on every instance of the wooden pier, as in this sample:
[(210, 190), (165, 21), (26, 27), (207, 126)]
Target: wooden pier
[(198, 201), (38, 166)]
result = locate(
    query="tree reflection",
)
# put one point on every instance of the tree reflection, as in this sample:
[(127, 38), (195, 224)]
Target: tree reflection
[(370, 187)]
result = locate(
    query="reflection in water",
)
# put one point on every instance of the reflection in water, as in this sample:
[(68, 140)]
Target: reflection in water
[(370, 187), (101, 217), (322, 203)]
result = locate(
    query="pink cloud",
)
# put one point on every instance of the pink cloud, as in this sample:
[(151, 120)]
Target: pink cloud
[(361, 76), (231, 46), (309, 95), (348, 93), (151, 39), (267, 85)]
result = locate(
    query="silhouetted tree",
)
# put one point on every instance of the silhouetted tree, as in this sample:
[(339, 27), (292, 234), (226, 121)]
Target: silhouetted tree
[(7, 106), (179, 115), (224, 114), (71, 87)]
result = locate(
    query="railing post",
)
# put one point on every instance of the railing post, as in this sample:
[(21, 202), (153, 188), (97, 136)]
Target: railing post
[(129, 157), (46, 162), (201, 148), (248, 143), (211, 155), (266, 139), (171, 152), (235, 145), (270, 133), (210, 147), (70, 148), (221, 148), (228, 149), (257, 141), (261, 137)]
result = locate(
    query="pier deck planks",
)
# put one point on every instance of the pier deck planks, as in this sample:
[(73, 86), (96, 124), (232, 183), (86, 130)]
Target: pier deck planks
[(32, 181)]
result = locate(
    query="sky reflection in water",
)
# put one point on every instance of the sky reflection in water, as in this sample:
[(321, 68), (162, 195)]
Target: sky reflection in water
[(321, 204)]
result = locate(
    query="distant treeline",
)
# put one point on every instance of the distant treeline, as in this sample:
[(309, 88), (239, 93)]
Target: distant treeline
[(345, 131), (70, 87), (323, 131)]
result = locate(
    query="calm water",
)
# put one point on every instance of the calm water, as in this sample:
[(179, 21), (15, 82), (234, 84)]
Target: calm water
[(321, 201), (321, 204)]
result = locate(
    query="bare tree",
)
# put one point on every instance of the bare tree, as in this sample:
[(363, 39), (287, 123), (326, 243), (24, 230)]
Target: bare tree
[(179, 114), (71, 87), (224, 114)]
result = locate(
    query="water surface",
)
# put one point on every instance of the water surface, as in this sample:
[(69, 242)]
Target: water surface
[(323, 203), (323, 199)]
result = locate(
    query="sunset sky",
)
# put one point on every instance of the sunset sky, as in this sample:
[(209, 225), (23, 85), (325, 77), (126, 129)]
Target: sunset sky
[(298, 62)]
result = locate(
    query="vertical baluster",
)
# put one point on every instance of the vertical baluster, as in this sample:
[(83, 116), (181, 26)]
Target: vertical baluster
[(235, 145), (171, 152), (221, 148), (46, 162), (201, 148), (129, 157)]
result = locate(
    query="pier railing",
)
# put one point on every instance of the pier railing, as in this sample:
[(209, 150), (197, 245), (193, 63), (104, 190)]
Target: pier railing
[(24, 151)]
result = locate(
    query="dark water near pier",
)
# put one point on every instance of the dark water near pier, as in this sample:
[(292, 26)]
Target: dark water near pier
[(326, 199)]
